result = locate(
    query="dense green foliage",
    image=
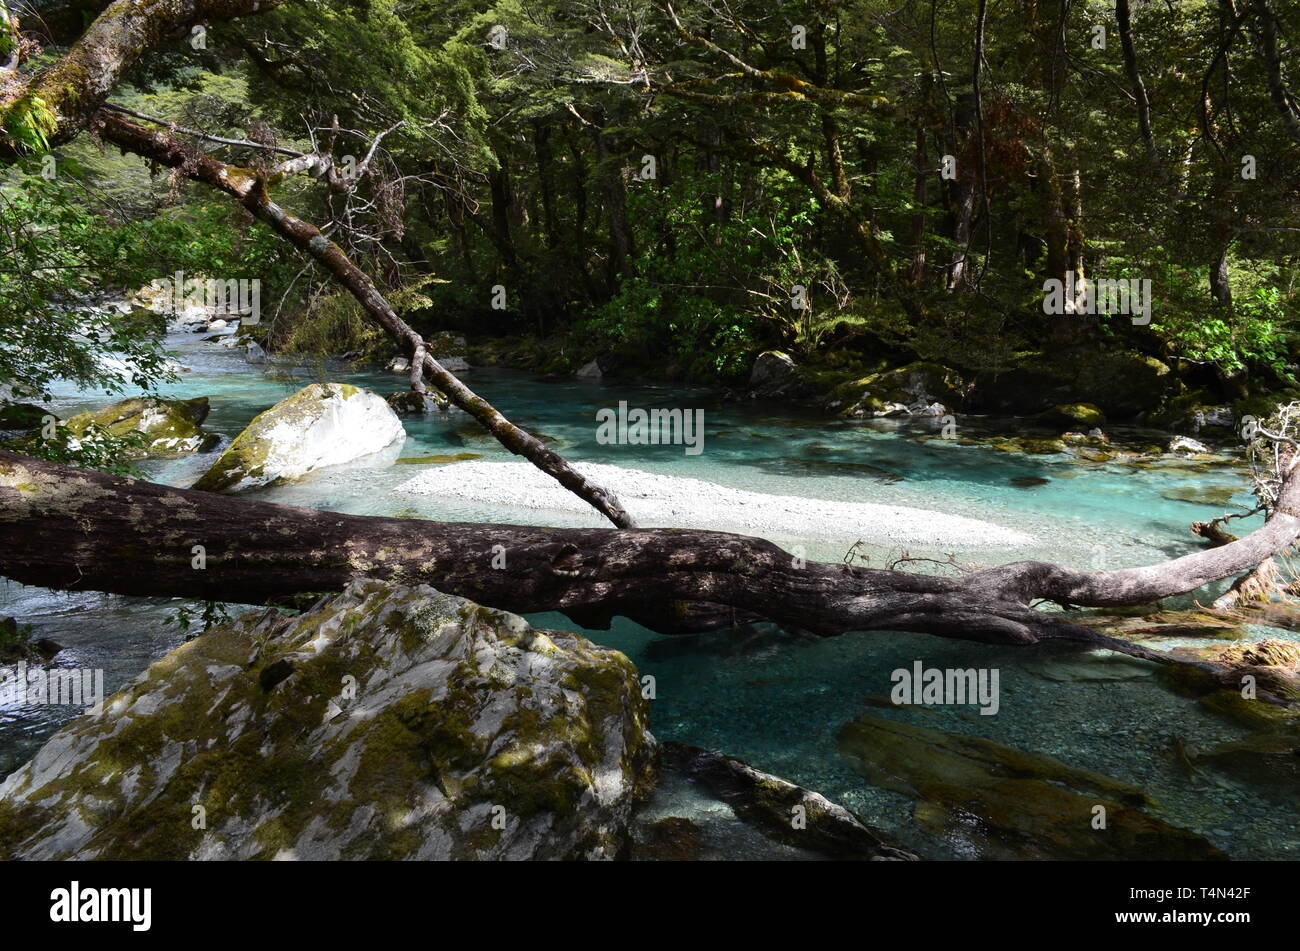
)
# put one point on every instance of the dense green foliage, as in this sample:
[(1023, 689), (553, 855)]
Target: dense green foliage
[(658, 183)]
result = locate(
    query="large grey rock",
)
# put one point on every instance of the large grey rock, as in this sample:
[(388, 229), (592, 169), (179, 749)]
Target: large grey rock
[(324, 424), (774, 374), (388, 722)]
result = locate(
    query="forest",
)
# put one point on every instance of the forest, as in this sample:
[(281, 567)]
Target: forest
[(649, 429)]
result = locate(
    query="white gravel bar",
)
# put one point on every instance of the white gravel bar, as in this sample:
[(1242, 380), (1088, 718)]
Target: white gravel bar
[(655, 500)]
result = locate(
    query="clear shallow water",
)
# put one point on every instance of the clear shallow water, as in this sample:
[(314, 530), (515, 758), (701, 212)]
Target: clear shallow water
[(773, 700)]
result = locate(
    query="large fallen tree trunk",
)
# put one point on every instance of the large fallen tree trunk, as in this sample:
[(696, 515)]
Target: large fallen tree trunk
[(79, 530)]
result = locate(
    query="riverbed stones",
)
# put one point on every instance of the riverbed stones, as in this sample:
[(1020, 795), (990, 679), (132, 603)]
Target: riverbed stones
[(987, 800), (169, 427), (321, 425), (387, 722)]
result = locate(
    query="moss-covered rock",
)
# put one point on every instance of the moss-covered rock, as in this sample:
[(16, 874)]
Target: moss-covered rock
[(388, 722), (903, 391), (411, 403), (1121, 383), (324, 424), (1074, 416), (169, 427)]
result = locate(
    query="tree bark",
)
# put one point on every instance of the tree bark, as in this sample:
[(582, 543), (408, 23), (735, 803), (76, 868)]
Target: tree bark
[(81, 80), (75, 529)]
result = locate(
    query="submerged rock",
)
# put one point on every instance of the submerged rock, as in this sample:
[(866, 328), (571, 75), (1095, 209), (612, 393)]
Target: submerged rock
[(437, 460), (772, 804), (169, 427), (987, 800), (1096, 666), (1027, 482), (388, 722), (324, 424), (1219, 496)]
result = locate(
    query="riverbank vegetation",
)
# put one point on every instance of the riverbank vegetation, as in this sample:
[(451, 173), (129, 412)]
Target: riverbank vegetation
[(672, 189)]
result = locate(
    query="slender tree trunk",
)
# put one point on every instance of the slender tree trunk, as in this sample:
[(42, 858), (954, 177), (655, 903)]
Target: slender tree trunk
[(249, 189), (1140, 98), (545, 162), (961, 194), (620, 231), (1271, 49), (916, 275)]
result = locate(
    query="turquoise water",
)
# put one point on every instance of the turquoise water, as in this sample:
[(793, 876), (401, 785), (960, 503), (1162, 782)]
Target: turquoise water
[(768, 697)]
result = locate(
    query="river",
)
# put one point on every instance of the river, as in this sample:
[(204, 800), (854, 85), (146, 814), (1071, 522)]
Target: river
[(774, 699)]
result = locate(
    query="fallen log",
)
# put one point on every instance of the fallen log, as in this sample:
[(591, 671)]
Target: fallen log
[(75, 529)]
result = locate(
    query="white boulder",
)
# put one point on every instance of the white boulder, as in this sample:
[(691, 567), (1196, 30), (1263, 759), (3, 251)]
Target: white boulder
[(324, 424)]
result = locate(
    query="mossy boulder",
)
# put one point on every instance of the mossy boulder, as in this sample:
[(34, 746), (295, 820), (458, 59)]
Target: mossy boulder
[(1072, 416), (169, 427), (22, 417), (776, 375), (388, 722), (913, 389), (324, 424), (1121, 383), (1196, 410)]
